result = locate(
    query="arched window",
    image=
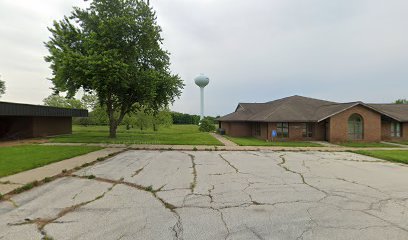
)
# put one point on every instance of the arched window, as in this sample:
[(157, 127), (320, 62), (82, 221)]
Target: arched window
[(355, 127)]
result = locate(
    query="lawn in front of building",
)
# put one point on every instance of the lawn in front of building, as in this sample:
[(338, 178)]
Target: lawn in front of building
[(172, 135), (367, 145), (400, 156), (17, 159), (251, 141)]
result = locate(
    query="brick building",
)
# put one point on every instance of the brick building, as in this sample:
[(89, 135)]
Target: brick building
[(300, 118), (19, 121)]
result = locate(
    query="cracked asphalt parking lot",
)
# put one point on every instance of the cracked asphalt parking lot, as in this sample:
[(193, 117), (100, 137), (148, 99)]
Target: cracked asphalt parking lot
[(217, 195)]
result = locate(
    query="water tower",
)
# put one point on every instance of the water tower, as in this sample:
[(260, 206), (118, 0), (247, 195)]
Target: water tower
[(202, 81)]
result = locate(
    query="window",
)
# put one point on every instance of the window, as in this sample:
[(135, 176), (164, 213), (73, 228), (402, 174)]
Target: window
[(307, 130), (395, 129), (355, 127), (282, 130), (257, 129)]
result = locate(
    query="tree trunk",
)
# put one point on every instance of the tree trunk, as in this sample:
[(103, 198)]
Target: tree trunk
[(114, 123), (112, 129)]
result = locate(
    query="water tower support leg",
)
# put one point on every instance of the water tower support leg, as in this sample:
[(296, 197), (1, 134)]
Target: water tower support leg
[(202, 103)]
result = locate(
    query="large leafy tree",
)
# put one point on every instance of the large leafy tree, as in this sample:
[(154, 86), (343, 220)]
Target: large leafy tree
[(2, 87), (113, 48)]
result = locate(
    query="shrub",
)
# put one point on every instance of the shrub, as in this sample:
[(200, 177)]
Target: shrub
[(206, 125)]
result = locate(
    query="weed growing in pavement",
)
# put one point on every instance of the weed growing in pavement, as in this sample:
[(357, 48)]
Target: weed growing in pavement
[(149, 188), (47, 179), (26, 187)]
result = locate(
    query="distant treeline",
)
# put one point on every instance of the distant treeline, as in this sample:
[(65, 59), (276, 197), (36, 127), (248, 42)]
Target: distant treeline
[(140, 119), (185, 118)]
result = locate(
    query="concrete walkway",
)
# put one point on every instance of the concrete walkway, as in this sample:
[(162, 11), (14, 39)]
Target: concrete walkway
[(224, 140), (396, 144), (9, 183), (326, 144), (335, 148)]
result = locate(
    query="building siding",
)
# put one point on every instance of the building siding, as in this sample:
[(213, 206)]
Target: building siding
[(371, 120), (237, 129), (49, 126), (334, 129), (28, 127), (247, 129), (386, 131)]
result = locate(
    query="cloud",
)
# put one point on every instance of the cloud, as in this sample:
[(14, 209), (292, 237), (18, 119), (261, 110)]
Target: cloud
[(253, 51)]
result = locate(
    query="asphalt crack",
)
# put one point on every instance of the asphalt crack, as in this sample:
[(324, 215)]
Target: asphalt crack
[(178, 226), (229, 163), (282, 165), (257, 235), (140, 170), (43, 222), (193, 184)]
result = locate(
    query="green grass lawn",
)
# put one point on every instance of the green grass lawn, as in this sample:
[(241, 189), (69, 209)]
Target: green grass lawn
[(21, 158), (250, 141), (173, 135), (367, 145), (400, 156)]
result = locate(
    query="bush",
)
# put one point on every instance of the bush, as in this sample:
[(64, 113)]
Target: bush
[(207, 125)]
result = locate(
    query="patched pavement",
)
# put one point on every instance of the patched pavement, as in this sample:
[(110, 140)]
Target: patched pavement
[(217, 195)]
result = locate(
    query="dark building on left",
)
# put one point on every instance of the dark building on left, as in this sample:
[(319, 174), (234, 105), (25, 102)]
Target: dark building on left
[(19, 121)]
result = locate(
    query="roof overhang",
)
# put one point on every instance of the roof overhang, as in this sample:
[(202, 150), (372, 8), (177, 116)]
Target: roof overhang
[(28, 110)]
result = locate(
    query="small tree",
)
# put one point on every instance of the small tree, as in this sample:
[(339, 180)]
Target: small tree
[(401, 101), (143, 120), (2, 88), (113, 48), (129, 120), (99, 116), (162, 118), (207, 125), (84, 121)]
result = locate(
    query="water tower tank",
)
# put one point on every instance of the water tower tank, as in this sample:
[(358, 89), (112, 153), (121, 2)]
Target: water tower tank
[(201, 80)]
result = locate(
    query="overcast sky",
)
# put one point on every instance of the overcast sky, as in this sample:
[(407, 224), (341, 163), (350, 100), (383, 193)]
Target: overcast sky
[(253, 50)]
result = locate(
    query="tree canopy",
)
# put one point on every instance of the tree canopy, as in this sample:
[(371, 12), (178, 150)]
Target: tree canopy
[(2, 87), (401, 101), (114, 49), (59, 101)]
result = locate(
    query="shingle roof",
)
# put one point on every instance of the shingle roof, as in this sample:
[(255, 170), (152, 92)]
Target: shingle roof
[(19, 109), (397, 111), (304, 109)]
